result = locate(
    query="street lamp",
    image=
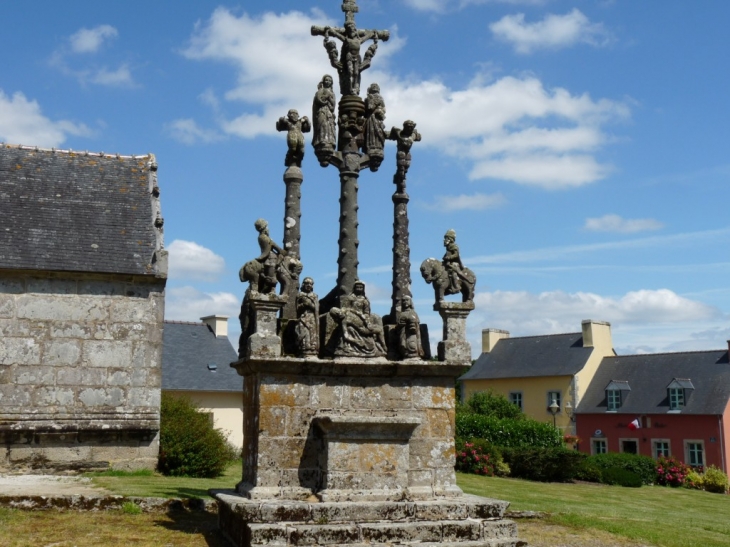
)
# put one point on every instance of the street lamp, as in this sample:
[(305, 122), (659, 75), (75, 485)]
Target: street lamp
[(554, 408)]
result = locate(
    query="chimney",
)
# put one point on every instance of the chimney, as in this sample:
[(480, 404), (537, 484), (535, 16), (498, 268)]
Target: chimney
[(490, 337), (596, 334), (217, 323)]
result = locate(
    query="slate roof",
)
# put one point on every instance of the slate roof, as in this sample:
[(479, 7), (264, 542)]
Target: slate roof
[(649, 375), (530, 356), (78, 212), (187, 351)]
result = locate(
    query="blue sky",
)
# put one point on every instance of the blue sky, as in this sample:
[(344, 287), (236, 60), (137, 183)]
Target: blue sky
[(579, 149)]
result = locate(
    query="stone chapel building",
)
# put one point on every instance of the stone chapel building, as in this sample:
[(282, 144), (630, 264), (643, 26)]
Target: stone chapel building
[(82, 279)]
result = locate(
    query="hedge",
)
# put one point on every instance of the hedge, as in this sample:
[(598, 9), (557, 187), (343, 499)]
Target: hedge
[(508, 433), (644, 466), (543, 464)]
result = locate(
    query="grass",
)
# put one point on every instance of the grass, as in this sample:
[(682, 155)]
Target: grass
[(149, 484), (670, 517), (108, 528)]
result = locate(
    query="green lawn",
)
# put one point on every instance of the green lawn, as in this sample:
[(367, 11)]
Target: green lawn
[(156, 485), (668, 517)]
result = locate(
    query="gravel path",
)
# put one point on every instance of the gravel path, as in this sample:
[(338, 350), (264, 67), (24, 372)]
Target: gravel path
[(48, 485)]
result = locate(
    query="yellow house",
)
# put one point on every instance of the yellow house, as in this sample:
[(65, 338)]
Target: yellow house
[(534, 371), (195, 364)]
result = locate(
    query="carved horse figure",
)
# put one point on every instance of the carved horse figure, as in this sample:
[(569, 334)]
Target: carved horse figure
[(434, 272), (287, 270)]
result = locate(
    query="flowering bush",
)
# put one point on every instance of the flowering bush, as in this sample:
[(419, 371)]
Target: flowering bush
[(571, 439), (472, 459), (671, 472)]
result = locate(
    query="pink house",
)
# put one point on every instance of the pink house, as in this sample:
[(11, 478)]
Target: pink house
[(679, 401)]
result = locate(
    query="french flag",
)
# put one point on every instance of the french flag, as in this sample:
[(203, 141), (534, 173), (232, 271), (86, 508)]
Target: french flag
[(636, 424)]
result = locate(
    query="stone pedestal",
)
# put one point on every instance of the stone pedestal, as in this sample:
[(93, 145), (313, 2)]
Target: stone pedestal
[(454, 347), (353, 452), (264, 342)]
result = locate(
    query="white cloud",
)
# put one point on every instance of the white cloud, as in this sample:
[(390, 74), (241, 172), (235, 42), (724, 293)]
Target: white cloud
[(524, 313), (614, 223), (190, 304), (89, 40), (21, 122), (188, 260), (553, 32), (440, 6), (187, 131), (463, 202), (511, 129), (713, 237), (121, 77)]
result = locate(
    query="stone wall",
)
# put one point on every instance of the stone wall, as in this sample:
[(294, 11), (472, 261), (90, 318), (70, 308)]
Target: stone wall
[(341, 429), (80, 368)]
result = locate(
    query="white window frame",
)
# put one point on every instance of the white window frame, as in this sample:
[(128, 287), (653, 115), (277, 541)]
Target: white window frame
[(621, 444), (687, 452), (654, 443), (519, 397), (558, 400), (602, 440)]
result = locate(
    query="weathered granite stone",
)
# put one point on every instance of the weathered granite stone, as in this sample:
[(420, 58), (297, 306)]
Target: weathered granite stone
[(68, 355), (454, 346)]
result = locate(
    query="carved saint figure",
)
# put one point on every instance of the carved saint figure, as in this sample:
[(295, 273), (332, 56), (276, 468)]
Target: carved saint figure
[(409, 330), (452, 260), (374, 127), (295, 127), (350, 64), (324, 137), (361, 331), (307, 330), (263, 271), (404, 138)]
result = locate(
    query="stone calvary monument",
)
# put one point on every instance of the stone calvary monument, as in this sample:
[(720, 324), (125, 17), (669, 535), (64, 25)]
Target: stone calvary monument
[(348, 424)]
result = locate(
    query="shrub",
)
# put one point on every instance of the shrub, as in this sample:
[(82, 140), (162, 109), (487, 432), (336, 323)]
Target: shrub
[(644, 466), (621, 477), (543, 464), (714, 480), (508, 432), (588, 471), (189, 444), (693, 480), (671, 472), (473, 460), (496, 464), (489, 403)]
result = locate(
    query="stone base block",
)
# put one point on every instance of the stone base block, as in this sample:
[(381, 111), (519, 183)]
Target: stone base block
[(467, 521)]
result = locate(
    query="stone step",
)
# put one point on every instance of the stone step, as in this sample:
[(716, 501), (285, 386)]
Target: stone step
[(457, 532), (510, 542)]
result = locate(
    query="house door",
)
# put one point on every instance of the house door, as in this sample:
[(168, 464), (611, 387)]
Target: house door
[(630, 447)]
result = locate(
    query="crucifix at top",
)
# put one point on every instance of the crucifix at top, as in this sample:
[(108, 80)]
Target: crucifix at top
[(350, 64)]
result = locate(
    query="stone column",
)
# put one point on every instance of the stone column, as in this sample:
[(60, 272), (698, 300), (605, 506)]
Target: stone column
[(401, 255), (347, 261), (293, 179), (454, 347), (265, 341)]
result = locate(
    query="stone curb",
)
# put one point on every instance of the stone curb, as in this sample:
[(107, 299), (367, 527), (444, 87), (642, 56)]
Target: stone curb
[(525, 514), (107, 503)]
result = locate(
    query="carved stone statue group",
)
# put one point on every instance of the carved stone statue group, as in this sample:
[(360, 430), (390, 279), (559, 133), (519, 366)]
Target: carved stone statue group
[(350, 135)]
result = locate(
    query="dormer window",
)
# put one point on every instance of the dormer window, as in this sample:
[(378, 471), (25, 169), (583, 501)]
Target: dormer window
[(678, 391), (616, 392), (613, 399)]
